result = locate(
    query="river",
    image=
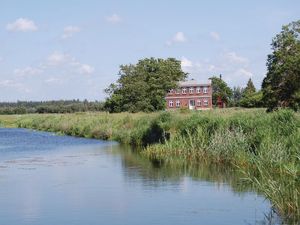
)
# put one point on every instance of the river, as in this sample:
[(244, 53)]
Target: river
[(48, 179)]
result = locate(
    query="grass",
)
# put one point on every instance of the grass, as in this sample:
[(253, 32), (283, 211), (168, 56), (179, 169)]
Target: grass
[(264, 147)]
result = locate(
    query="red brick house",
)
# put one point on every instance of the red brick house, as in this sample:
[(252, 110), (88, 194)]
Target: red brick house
[(220, 103), (190, 95)]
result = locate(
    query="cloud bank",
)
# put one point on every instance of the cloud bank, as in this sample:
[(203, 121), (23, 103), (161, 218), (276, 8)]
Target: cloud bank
[(22, 25)]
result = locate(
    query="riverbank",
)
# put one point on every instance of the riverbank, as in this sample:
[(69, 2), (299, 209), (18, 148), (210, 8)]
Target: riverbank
[(265, 147)]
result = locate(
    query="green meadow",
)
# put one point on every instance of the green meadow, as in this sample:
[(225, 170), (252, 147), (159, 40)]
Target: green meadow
[(264, 147)]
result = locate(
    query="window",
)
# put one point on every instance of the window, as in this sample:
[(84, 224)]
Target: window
[(171, 91), (171, 103), (199, 102), (205, 89), (177, 103), (198, 90), (191, 90), (205, 102), (192, 103), (183, 90)]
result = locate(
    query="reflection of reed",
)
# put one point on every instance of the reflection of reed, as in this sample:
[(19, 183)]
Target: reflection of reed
[(137, 165), (173, 176)]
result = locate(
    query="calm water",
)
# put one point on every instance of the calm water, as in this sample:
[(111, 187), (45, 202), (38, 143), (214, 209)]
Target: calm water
[(58, 180)]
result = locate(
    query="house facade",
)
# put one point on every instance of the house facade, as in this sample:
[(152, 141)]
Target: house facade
[(191, 95)]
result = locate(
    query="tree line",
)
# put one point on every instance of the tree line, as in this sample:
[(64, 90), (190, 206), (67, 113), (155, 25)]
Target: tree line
[(61, 106), (247, 97)]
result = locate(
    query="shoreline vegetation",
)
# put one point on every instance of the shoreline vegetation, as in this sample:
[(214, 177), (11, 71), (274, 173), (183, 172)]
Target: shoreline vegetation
[(55, 106), (265, 147)]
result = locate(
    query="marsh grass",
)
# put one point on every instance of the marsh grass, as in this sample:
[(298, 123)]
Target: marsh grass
[(265, 147)]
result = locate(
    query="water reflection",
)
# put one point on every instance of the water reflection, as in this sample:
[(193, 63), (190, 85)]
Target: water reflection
[(136, 166), (80, 181), (178, 174)]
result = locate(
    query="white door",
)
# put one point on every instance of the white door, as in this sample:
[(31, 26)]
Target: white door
[(191, 104)]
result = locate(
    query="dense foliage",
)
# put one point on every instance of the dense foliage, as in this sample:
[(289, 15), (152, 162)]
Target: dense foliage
[(237, 94), (220, 89), (61, 106), (281, 86), (250, 88), (252, 100), (250, 97), (142, 87)]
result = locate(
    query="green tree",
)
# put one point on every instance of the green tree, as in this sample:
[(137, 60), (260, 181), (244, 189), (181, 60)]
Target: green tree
[(220, 89), (142, 87), (252, 100), (281, 86), (250, 88), (237, 94)]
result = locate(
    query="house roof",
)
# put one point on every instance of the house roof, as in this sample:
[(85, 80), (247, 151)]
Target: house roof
[(193, 83)]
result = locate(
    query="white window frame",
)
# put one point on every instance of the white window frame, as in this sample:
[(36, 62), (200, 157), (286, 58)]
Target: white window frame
[(177, 103), (205, 90), (184, 91), (205, 102), (199, 103), (198, 90), (171, 103), (191, 90), (171, 91)]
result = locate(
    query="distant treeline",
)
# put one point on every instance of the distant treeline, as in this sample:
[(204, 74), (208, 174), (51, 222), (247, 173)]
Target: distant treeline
[(61, 106)]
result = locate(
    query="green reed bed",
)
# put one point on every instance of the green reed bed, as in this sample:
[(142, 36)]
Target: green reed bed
[(265, 147)]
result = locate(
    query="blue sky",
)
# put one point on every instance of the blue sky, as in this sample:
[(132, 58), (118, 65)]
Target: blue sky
[(73, 48)]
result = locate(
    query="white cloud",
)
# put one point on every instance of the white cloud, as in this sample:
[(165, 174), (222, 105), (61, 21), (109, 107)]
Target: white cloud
[(61, 75), (244, 73), (179, 37), (232, 57), (22, 24), (114, 18), (234, 68), (185, 62), (6, 83), (69, 31), (58, 69), (14, 84), (215, 36), (53, 80), (62, 59), (28, 71), (58, 58), (86, 69)]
